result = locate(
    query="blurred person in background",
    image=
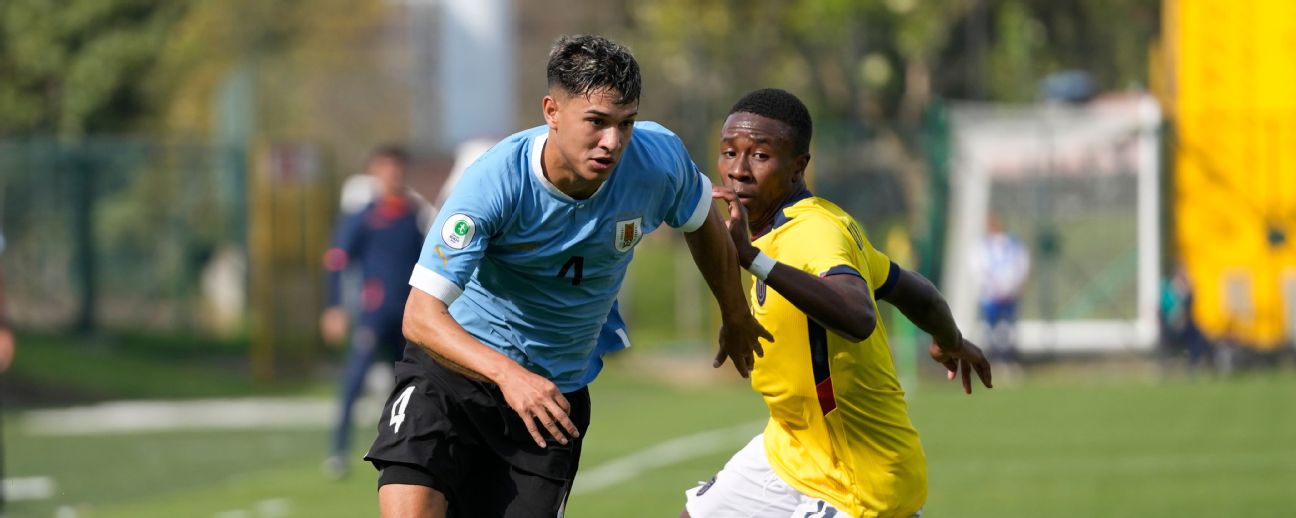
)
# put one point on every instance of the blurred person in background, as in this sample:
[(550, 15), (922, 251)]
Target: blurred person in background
[(1003, 265), (839, 439), (6, 335), (1179, 331), (517, 283), (380, 242), (6, 359)]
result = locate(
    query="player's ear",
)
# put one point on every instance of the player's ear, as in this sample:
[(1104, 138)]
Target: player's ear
[(550, 108), (802, 161)]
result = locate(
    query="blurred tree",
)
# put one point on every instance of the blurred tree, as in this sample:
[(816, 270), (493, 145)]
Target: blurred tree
[(1000, 49), (72, 67), (87, 71), (315, 68), (880, 61), (850, 60)]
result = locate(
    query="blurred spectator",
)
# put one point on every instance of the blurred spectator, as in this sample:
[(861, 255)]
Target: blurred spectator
[(357, 192), (1003, 265), (6, 336), (6, 359), (382, 240), (1179, 332)]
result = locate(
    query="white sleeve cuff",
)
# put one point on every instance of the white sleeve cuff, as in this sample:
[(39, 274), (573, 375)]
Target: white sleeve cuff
[(434, 284), (703, 206), (762, 265)]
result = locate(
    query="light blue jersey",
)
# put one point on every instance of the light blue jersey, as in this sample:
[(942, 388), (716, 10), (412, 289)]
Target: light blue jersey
[(533, 273)]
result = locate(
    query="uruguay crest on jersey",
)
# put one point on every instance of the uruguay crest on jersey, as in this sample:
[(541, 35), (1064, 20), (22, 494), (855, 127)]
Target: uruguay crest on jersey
[(627, 234)]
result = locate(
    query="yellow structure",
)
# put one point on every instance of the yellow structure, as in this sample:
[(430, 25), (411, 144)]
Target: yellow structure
[(289, 220), (1231, 95)]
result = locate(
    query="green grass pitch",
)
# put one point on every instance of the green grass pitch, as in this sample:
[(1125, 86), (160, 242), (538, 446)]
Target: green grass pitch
[(1077, 448)]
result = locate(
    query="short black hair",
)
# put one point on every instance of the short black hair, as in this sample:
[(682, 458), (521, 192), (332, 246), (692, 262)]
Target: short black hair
[(782, 106), (390, 151), (584, 64)]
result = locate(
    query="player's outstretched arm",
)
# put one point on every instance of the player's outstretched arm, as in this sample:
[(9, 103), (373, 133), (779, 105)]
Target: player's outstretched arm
[(840, 303), (428, 324), (716, 258), (923, 304)]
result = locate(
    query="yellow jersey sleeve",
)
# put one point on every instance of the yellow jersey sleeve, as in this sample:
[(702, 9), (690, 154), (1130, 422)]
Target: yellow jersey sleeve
[(820, 244), (883, 272)]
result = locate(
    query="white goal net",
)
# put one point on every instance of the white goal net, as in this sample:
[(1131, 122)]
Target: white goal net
[(1078, 185)]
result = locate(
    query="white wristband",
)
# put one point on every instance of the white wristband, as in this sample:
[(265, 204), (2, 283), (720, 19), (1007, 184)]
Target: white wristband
[(762, 265)]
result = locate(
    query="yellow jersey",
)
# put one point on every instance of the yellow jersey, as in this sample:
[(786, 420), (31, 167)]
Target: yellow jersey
[(839, 426)]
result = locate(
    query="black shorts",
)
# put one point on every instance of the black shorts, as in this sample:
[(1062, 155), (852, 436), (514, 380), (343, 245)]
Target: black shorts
[(457, 435)]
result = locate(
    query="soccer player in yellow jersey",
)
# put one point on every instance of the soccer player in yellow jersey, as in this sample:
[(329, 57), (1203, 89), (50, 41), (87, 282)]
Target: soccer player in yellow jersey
[(839, 441)]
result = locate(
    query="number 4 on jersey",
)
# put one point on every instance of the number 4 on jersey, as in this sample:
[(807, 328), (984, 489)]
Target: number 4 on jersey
[(577, 273), (398, 408)]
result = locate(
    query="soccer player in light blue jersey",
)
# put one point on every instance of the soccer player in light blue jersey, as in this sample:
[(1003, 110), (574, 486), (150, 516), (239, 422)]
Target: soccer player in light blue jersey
[(517, 279)]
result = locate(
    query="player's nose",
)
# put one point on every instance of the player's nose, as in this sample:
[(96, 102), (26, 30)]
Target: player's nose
[(738, 171), (611, 140)]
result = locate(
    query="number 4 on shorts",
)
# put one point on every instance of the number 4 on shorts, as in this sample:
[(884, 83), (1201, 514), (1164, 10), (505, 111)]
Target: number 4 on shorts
[(398, 408)]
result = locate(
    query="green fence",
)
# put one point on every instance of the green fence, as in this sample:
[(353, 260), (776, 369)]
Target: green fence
[(122, 233)]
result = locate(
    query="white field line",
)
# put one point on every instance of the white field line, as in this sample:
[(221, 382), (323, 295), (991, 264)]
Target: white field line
[(123, 417), (28, 488), (274, 507), (664, 454), (271, 508)]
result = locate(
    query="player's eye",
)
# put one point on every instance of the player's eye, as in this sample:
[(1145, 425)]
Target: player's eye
[(626, 124), (598, 123), (760, 156), (728, 153)]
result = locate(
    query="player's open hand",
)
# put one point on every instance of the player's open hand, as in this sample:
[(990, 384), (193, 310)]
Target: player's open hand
[(539, 403), (738, 341), (963, 360)]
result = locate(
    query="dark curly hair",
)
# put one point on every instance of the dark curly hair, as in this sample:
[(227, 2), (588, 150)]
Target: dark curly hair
[(584, 64), (782, 106)]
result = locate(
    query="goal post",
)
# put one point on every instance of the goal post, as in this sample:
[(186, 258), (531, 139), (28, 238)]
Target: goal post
[(1079, 185)]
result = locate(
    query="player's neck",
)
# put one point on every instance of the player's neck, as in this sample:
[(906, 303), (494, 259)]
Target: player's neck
[(562, 176), (759, 224)]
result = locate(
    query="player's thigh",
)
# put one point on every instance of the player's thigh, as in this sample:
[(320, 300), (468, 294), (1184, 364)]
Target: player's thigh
[(520, 480), (505, 491), (811, 507), (421, 433), (746, 487), (410, 501), (453, 432), (484, 485)]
